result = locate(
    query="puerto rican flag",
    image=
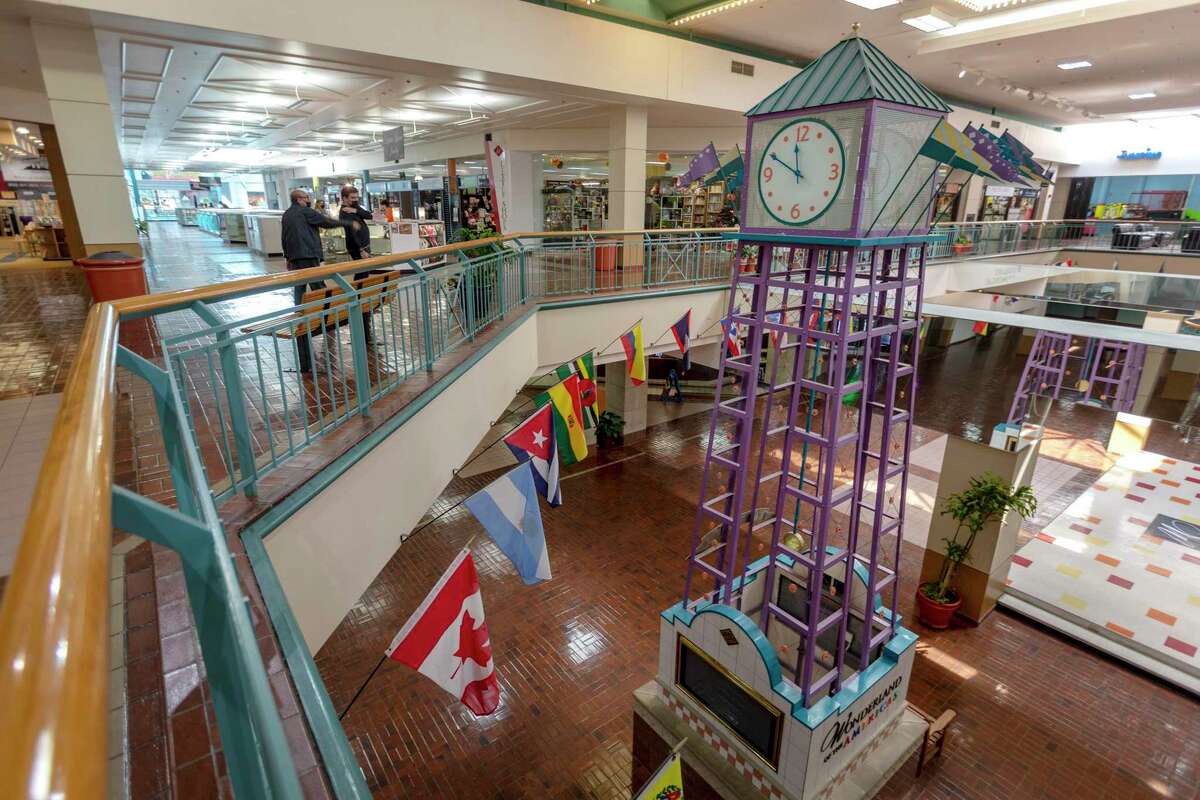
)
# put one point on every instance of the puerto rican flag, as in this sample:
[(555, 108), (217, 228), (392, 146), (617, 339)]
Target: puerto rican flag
[(533, 441), (446, 639)]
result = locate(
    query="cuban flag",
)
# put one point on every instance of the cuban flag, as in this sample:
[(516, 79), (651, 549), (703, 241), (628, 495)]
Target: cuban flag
[(682, 332), (508, 510), (446, 639), (731, 339), (533, 441)]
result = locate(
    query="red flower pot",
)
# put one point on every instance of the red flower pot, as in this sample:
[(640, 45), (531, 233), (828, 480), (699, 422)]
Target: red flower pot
[(934, 614)]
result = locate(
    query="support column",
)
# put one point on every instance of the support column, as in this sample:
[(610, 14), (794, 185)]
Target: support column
[(85, 161), (622, 397), (627, 183)]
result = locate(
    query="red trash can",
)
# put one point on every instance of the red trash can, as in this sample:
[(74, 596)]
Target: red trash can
[(112, 275)]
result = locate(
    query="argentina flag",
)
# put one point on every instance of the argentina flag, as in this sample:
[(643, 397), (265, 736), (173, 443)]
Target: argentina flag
[(508, 510)]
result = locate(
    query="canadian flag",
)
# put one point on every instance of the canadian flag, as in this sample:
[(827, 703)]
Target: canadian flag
[(446, 639)]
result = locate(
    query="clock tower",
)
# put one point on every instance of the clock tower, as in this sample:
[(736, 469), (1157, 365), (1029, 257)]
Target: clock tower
[(786, 655), (834, 151)]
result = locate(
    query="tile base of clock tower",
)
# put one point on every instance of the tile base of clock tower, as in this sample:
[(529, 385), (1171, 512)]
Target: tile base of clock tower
[(713, 771)]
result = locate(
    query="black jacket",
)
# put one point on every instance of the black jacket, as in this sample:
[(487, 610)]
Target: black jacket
[(359, 240), (299, 232)]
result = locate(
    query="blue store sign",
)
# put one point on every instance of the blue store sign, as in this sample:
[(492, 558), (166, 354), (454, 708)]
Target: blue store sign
[(1144, 155)]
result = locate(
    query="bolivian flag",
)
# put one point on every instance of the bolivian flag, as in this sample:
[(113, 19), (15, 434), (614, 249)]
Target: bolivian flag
[(568, 419), (635, 354), (667, 783), (585, 368)]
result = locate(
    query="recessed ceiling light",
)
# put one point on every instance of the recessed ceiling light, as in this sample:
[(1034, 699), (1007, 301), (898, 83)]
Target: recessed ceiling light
[(1075, 63), (1142, 95), (929, 20), (962, 73), (872, 5), (23, 130)]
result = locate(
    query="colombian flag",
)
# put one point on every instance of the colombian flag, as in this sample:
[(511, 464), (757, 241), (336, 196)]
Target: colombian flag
[(635, 354)]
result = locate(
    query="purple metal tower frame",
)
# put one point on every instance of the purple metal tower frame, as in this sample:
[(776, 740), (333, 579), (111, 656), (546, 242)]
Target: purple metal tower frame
[(1044, 369), (1116, 371), (1113, 371), (847, 322)]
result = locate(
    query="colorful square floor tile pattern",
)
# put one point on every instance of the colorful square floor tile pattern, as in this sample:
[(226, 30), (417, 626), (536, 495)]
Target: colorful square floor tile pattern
[(1125, 556)]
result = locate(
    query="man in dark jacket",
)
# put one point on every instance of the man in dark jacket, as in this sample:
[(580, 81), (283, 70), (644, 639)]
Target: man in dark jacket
[(302, 249), (358, 241)]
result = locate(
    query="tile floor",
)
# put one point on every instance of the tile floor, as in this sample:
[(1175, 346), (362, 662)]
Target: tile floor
[(25, 425), (1099, 562)]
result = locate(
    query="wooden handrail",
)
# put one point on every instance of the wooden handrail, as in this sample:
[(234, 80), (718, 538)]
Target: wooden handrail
[(54, 622), (170, 301)]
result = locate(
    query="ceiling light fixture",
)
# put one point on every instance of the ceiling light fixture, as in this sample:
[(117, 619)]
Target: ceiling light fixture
[(929, 20), (23, 131), (962, 73), (989, 5), (1074, 63), (1142, 95), (979, 81), (873, 5), (1026, 13), (706, 11)]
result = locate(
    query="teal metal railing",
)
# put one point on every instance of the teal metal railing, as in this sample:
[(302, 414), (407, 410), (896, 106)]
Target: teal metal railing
[(264, 387)]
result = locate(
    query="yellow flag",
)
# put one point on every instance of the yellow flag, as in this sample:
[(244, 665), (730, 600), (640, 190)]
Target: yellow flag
[(568, 420), (667, 783), (635, 354)]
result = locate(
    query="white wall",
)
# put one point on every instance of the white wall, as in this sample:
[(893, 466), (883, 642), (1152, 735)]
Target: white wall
[(329, 551), (1094, 148)]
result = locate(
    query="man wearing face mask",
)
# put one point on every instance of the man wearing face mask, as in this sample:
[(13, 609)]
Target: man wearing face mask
[(302, 249), (358, 241)]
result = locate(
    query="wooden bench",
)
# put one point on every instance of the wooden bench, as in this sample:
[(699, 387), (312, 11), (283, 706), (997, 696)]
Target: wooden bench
[(335, 306), (935, 736)]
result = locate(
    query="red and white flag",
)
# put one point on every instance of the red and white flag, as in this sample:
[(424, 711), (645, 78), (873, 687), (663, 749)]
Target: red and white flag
[(446, 639)]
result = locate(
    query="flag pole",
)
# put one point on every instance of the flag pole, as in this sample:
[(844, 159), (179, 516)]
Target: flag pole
[(674, 751), (600, 350), (349, 705)]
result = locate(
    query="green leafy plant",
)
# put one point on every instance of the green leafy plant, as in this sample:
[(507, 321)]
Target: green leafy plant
[(470, 233), (610, 427), (963, 240), (986, 499)]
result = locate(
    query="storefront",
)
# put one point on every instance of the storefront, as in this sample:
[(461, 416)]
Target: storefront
[(1132, 197), (1008, 203)]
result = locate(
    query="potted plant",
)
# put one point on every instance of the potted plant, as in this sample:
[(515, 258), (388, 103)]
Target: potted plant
[(610, 430), (962, 245), (986, 499), (484, 273)]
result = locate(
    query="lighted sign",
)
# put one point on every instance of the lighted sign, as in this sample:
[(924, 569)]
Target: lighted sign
[(1144, 155)]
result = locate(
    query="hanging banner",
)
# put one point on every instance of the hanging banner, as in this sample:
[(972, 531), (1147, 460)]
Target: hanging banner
[(393, 144), (497, 162)]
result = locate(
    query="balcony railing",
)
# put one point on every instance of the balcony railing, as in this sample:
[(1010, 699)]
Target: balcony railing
[(231, 376)]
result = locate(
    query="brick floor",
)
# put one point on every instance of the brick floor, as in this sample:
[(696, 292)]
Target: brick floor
[(1039, 716)]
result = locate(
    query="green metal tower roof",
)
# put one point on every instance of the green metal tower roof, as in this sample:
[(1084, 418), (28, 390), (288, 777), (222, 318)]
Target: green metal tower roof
[(853, 69)]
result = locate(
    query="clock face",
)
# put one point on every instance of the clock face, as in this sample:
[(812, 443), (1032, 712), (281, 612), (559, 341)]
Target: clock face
[(801, 171)]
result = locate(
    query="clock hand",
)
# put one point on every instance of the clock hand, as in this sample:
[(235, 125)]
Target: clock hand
[(797, 169), (785, 166)]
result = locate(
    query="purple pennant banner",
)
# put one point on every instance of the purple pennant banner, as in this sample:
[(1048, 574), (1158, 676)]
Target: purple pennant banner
[(986, 146), (705, 162)]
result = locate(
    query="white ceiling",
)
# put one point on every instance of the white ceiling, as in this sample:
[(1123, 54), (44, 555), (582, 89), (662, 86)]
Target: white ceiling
[(179, 102), (1134, 45)]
